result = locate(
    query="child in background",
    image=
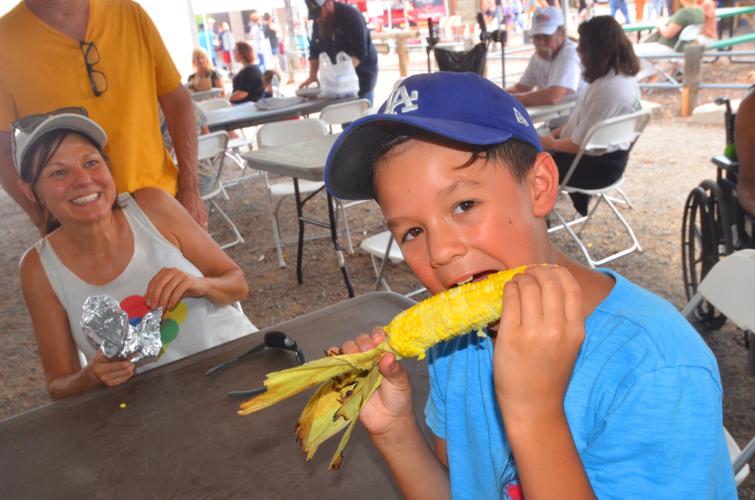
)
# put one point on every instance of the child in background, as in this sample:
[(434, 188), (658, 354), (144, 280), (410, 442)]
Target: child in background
[(588, 386)]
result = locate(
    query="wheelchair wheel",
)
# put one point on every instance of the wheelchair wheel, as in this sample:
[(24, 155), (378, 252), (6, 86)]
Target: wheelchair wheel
[(702, 247)]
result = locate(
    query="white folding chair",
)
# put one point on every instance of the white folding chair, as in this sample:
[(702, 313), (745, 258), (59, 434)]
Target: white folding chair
[(212, 148), (619, 130), (280, 134), (339, 114), (235, 144), (730, 286), (344, 112), (383, 247)]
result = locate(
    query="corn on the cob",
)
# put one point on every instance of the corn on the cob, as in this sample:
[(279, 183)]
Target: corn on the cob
[(348, 380)]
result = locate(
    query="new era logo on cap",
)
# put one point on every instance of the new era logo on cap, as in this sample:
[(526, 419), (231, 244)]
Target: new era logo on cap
[(520, 118)]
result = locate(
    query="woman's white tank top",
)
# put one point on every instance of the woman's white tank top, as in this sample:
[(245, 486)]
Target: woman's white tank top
[(195, 324)]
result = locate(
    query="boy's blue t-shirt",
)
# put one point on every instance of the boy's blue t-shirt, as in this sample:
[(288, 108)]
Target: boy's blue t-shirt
[(643, 405)]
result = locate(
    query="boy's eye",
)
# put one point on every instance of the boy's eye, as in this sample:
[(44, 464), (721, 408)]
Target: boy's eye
[(464, 206), (411, 234)]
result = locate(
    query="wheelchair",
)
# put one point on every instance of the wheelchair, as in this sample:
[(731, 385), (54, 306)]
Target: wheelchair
[(714, 225)]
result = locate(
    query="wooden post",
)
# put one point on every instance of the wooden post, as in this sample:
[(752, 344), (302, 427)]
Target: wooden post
[(693, 58), (403, 54)]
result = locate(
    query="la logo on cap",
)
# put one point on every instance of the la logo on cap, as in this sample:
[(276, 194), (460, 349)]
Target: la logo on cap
[(401, 98)]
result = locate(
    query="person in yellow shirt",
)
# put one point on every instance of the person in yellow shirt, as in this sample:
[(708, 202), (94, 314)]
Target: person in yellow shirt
[(107, 57)]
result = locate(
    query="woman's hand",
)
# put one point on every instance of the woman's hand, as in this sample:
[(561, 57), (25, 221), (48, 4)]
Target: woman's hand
[(169, 286), (541, 331), (392, 403), (548, 142), (111, 373)]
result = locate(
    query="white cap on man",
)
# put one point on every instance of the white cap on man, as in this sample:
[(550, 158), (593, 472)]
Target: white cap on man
[(546, 20)]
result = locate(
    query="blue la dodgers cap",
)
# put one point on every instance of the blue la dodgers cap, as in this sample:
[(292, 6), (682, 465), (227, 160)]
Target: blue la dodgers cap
[(462, 107)]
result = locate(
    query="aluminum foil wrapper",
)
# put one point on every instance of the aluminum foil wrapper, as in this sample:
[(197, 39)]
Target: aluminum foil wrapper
[(106, 326)]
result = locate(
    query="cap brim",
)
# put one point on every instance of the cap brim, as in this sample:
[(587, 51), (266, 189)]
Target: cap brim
[(543, 30), (349, 164), (66, 121)]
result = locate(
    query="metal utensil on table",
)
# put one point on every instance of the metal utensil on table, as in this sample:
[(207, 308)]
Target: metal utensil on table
[(274, 340)]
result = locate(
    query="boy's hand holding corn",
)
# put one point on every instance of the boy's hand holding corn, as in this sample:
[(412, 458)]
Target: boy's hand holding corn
[(541, 330), (390, 409)]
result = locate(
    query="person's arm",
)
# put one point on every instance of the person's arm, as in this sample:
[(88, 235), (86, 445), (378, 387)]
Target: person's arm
[(217, 82), (60, 361), (540, 334), (518, 88), (223, 281), (9, 180), (179, 114), (744, 138), (669, 30), (358, 37), (544, 97), (554, 144), (314, 65), (392, 425)]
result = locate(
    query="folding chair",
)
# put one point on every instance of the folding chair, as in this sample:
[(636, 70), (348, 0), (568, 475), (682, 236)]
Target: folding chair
[(280, 134), (340, 114), (234, 144), (212, 147), (382, 246), (624, 129), (730, 286), (344, 112)]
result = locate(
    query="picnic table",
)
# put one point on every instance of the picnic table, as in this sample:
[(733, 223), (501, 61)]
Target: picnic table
[(721, 13), (249, 115), (172, 432)]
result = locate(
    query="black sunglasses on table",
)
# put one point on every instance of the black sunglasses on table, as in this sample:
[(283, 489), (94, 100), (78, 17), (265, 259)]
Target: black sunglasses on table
[(273, 340)]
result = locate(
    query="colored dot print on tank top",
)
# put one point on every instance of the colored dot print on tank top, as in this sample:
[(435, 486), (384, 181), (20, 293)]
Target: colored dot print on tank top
[(136, 308)]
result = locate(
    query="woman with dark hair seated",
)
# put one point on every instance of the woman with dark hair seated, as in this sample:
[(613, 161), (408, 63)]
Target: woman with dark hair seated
[(247, 84), (143, 249), (610, 65)]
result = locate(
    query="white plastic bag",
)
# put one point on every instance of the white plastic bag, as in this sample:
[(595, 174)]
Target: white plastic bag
[(339, 79)]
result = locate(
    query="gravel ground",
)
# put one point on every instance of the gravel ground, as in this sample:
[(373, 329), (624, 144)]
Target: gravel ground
[(671, 157)]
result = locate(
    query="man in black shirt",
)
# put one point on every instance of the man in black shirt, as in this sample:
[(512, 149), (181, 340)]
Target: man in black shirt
[(341, 28)]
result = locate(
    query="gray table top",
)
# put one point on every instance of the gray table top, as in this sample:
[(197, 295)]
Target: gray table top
[(248, 115), (179, 435), (304, 160)]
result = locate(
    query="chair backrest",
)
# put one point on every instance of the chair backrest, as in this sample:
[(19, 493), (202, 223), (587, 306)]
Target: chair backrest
[(210, 104), (344, 112), (730, 287), (211, 153), (688, 34), (610, 133), (290, 132)]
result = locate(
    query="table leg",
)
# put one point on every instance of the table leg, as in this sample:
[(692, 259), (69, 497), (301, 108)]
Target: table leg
[(337, 246), (300, 247)]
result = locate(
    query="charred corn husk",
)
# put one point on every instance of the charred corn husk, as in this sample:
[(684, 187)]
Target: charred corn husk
[(347, 381)]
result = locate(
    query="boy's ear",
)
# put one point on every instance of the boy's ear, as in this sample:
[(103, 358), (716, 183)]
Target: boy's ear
[(542, 180)]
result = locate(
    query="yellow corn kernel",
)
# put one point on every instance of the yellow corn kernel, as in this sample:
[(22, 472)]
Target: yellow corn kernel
[(446, 315)]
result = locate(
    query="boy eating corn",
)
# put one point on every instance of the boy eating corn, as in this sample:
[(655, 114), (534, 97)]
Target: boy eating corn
[(588, 386)]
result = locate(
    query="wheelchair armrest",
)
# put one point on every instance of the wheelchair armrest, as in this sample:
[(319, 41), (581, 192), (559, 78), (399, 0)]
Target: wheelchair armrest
[(724, 162)]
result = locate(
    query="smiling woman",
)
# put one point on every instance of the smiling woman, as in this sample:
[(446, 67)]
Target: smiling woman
[(144, 250)]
